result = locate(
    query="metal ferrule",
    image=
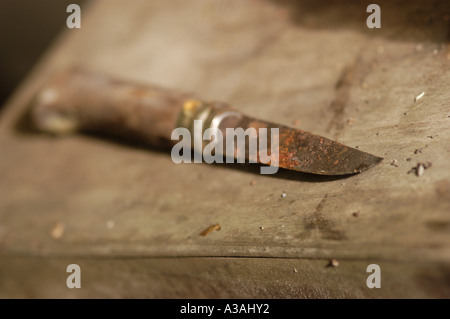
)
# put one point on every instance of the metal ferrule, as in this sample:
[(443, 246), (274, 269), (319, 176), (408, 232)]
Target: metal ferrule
[(211, 114)]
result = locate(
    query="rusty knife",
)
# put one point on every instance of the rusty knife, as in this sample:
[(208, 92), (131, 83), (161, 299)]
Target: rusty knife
[(77, 99)]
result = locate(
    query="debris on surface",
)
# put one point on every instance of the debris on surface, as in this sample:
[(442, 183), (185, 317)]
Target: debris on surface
[(252, 183), (417, 151), (283, 195), (57, 230), (351, 120), (210, 229), (418, 97), (295, 270), (394, 163), (408, 159), (420, 168), (355, 214), (333, 263), (261, 228), (110, 224)]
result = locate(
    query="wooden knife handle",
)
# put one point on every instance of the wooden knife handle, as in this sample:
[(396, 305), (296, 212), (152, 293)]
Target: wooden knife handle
[(80, 100)]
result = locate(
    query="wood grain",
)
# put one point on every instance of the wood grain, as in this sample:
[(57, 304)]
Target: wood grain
[(278, 62)]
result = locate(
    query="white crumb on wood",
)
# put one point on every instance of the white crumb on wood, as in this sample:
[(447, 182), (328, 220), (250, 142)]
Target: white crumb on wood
[(418, 97)]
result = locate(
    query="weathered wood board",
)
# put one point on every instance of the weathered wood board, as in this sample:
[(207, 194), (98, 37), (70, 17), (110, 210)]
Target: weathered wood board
[(308, 63)]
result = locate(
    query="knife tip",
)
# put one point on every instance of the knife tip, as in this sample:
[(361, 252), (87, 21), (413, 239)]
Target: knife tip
[(368, 162)]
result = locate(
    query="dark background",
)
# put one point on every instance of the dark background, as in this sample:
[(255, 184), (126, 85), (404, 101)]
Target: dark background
[(27, 28)]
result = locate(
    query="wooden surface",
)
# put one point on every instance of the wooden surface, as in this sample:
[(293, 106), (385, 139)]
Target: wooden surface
[(312, 62)]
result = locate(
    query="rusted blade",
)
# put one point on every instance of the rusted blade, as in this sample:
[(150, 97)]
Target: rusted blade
[(306, 152)]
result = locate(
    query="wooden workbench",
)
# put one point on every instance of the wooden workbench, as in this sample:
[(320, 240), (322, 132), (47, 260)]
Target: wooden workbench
[(131, 218)]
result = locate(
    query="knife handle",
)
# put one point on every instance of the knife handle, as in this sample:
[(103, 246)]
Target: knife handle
[(77, 99)]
